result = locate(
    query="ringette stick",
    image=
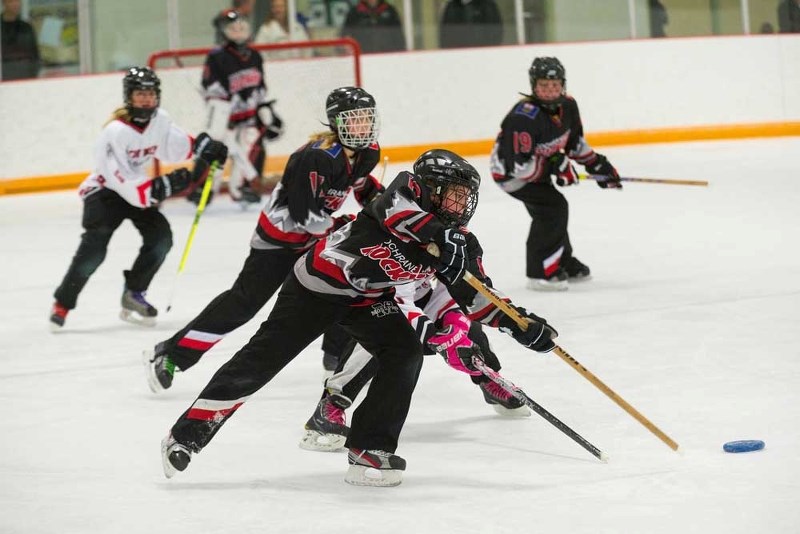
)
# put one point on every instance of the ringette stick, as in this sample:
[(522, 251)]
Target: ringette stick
[(506, 308), (667, 181), (520, 395), (201, 206)]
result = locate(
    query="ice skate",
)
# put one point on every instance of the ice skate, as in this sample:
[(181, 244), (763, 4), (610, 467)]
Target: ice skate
[(58, 315), (502, 401), (159, 369), (374, 468), (247, 195), (555, 282), (576, 270), (326, 430), (174, 456), (136, 310)]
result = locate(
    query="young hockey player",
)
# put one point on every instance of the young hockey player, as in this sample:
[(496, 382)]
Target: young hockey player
[(119, 189), (316, 182), (349, 278), (537, 139), (238, 111), (426, 305)]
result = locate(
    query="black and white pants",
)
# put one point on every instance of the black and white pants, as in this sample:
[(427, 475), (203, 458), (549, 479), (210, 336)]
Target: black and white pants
[(548, 246)]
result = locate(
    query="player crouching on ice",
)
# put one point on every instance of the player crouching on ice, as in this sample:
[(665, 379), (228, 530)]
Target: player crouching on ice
[(350, 278), (120, 189)]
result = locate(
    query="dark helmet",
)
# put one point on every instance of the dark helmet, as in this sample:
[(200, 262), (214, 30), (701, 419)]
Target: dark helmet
[(547, 68), (349, 111), (441, 169), (140, 78), (234, 27)]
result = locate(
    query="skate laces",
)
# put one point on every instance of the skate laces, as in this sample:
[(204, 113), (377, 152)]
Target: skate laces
[(333, 413), (496, 391)]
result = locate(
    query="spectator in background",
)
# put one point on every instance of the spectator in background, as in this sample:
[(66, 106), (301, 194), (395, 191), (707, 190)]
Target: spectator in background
[(276, 30), (20, 51), (788, 16), (470, 23), (658, 19), (243, 7), (376, 26), (766, 28)]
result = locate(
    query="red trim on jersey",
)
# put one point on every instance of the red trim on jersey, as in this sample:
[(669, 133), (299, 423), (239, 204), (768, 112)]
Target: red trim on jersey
[(392, 221), (425, 220), (325, 267), (242, 115), (191, 147), (272, 231), (211, 415), (144, 190)]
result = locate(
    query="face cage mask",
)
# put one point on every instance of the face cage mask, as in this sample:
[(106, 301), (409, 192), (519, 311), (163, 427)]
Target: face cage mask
[(465, 203), (358, 128)]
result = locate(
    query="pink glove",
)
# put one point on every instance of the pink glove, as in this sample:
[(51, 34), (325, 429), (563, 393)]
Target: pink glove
[(453, 343)]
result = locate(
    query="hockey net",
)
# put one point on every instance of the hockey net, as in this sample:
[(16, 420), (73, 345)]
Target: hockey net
[(299, 75)]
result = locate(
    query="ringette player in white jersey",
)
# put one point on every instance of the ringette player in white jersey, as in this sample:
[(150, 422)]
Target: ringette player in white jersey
[(119, 188)]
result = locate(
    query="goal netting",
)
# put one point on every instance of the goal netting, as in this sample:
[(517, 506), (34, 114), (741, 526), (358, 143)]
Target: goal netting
[(299, 76)]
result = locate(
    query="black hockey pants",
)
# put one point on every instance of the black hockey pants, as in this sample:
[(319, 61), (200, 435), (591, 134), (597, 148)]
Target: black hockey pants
[(262, 274), (297, 319), (548, 244), (103, 213)]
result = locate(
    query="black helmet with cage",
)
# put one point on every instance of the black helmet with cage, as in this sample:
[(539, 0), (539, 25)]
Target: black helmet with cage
[(353, 117), (141, 78), (547, 68), (234, 27), (442, 170)]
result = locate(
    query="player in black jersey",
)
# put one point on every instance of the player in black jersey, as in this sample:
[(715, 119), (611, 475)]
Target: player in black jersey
[(317, 179), (238, 111), (350, 278), (537, 140)]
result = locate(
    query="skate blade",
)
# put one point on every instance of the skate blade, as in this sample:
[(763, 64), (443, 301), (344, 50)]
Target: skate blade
[(152, 381), (317, 441), (361, 475), (579, 279), (169, 469), (522, 411), (537, 284), (134, 318), (55, 328)]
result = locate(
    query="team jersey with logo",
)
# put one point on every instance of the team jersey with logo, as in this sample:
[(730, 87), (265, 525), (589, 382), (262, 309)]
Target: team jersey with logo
[(316, 182), (529, 136), (124, 151), (237, 76)]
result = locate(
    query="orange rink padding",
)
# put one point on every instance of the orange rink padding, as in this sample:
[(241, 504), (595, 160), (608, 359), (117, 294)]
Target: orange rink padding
[(275, 164)]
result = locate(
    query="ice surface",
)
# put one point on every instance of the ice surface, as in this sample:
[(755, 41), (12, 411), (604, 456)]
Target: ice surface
[(692, 317)]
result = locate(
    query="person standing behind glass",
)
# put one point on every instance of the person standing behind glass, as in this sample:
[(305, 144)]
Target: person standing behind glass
[(20, 51), (376, 26), (276, 30), (658, 19), (788, 16), (468, 23)]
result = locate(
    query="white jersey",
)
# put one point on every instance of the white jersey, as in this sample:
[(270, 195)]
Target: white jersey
[(123, 154), (423, 302)]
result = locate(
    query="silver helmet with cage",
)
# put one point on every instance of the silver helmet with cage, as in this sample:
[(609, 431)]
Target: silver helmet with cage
[(353, 117)]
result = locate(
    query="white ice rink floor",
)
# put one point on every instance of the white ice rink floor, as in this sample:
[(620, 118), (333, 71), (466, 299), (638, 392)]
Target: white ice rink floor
[(692, 317)]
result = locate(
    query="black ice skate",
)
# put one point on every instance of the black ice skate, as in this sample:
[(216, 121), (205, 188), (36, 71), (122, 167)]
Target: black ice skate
[(555, 282), (174, 456), (247, 195), (503, 402), (136, 310), (159, 369), (327, 430), (576, 270), (374, 468), (58, 315)]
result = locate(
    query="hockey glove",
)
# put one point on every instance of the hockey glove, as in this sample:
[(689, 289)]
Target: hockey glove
[(538, 336), (170, 184), (210, 150), (453, 257), (604, 173), (563, 169), (271, 125), (342, 220), (454, 345)]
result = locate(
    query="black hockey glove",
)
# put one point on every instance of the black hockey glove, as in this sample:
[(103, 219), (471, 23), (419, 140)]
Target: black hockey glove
[(270, 123), (563, 169), (210, 150), (170, 184), (539, 335), (604, 173), (453, 257)]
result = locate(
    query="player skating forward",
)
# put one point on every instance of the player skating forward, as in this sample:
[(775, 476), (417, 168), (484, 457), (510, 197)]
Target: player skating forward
[(316, 182), (349, 278), (538, 137), (119, 188), (238, 111)]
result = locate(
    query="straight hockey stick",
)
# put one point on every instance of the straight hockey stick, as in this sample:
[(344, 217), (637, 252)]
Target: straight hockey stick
[(520, 395), (506, 308), (201, 206), (667, 181)]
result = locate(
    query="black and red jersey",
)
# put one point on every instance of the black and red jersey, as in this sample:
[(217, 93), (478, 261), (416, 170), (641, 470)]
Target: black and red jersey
[(235, 74)]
